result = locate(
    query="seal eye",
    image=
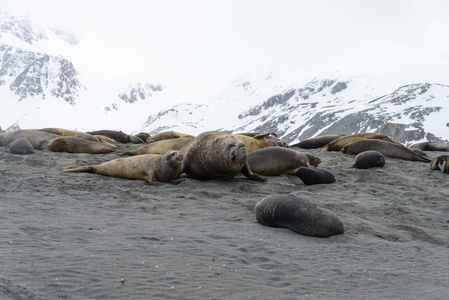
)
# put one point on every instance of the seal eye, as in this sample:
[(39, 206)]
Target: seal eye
[(170, 156), (231, 145)]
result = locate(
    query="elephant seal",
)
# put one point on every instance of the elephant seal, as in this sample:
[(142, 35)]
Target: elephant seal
[(317, 142), (431, 146), (75, 145), (158, 147), (20, 146), (148, 167), (419, 151), (143, 136), (119, 136), (314, 175), (166, 135), (33, 135), (393, 150), (274, 161), (216, 155), (369, 159), (105, 139), (266, 135), (63, 132), (339, 143), (299, 215), (440, 163), (259, 142), (89, 137)]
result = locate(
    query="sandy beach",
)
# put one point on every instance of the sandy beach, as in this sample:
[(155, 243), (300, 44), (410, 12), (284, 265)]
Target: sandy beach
[(87, 236)]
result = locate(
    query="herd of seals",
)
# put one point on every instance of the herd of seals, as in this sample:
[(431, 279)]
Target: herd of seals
[(222, 155)]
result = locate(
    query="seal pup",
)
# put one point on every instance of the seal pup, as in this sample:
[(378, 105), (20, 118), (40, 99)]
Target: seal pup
[(75, 145), (158, 147), (339, 143), (216, 155), (312, 176), (393, 150), (369, 159), (440, 163), (431, 146), (274, 161), (259, 142), (148, 167), (317, 142), (20, 146), (299, 215)]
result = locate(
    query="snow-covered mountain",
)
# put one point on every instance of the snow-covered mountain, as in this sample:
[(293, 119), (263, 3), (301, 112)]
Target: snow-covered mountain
[(320, 106)]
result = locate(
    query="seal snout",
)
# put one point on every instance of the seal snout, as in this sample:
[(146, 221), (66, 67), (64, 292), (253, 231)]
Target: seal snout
[(238, 153)]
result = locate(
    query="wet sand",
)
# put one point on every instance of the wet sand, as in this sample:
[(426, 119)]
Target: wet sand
[(87, 236)]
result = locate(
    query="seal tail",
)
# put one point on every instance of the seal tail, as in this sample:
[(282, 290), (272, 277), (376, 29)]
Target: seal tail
[(87, 169)]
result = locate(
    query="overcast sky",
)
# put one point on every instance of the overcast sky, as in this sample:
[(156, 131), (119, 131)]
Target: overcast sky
[(206, 44)]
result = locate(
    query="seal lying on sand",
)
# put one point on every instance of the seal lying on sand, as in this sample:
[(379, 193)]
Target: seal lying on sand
[(64, 132), (33, 135), (339, 143), (119, 136), (317, 142), (431, 146), (73, 144), (274, 161), (314, 175), (393, 150), (148, 167), (216, 155), (20, 146), (297, 214), (166, 135), (440, 163), (158, 147), (259, 142), (369, 159)]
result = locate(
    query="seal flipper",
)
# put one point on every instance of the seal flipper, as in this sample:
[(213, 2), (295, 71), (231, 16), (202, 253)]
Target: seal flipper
[(87, 169), (250, 175), (441, 165)]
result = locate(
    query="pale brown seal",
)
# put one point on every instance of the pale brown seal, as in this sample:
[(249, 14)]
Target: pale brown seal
[(158, 147), (369, 159), (393, 150), (148, 167), (299, 215), (75, 145), (166, 135), (216, 155), (274, 161), (33, 135), (339, 143), (317, 142), (20, 146), (259, 141)]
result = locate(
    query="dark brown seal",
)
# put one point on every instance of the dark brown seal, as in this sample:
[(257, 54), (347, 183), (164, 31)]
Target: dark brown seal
[(299, 215), (73, 144), (312, 176), (20, 146), (216, 155), (369, 159), (274, 161), (317, 142), (393, 150), (431, 146), (339, 143), (119, 136), (149, 167)]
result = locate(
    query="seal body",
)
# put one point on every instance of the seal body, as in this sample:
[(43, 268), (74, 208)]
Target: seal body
[(253, 143), (63, 132), (274, 161), (312, 176), (119, 136), (158, 147), (34, 136), (393, 150), (298, 215), (76, 145), (20, 146), (166, 135), (440, 163), (317, 142), (369, 159), (339, 143), (216, 155), (148, 167), (431, 146)]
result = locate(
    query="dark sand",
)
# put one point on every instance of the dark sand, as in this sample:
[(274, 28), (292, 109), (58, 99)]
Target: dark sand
[(77, 235)]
